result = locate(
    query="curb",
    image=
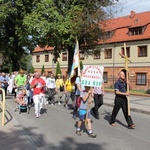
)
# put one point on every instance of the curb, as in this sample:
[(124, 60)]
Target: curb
[(132, 109), (144, 95)]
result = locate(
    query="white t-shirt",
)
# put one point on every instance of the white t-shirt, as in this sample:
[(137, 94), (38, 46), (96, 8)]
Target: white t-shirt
[(50, 83)]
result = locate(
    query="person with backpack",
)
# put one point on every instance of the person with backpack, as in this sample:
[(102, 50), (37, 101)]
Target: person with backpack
[(84, 112), (69, 92), (79, 89), (59, 87)]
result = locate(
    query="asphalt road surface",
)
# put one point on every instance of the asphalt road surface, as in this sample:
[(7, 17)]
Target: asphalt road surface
[(55, 130)]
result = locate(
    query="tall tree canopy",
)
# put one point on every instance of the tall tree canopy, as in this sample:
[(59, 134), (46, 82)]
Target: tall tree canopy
[(14, 40), (49, 22)]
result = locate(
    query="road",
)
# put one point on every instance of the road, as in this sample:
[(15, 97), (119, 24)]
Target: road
[(55, 130)]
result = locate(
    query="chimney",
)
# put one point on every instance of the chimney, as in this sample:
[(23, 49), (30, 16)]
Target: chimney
[(132, 14)]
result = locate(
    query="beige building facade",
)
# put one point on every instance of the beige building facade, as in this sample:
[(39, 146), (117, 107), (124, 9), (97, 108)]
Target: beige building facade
[(135, 35)]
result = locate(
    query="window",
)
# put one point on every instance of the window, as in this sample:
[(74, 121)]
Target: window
[(37, 58), (135, 31), (97, 56), (81, 55), (142, 51), (108, 34), (141, 79), (127, 51), (105, 77), (46, 58), (108, 53), (64, 56)]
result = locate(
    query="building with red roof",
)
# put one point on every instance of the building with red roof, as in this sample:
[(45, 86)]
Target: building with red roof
[(132, 31)]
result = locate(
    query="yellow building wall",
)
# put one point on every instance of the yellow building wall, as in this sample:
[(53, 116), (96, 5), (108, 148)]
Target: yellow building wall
[(111, 66)]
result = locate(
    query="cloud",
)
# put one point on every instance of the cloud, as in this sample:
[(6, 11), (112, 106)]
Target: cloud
[(124, 7)]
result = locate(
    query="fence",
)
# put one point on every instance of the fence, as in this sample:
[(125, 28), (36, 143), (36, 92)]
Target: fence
[(145, 85), (2, 103)]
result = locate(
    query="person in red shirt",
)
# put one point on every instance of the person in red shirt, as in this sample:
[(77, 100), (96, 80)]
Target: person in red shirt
[(38, 85)]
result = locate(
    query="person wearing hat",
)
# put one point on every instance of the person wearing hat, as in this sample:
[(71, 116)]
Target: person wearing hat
[(59, 88)]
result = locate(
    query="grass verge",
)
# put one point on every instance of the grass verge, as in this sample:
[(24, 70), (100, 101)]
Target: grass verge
[(135, 92)]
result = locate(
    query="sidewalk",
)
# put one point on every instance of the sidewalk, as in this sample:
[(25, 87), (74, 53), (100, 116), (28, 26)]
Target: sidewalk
[(140, 104), (13, 136)]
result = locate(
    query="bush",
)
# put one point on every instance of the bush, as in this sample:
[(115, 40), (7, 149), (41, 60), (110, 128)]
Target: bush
[(147, 91)]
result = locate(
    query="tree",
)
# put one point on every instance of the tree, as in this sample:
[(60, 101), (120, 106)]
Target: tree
[(31, 69), (59, 22), (58, 70), (14, 38), (10, 70), (43, 69), (81, 65)]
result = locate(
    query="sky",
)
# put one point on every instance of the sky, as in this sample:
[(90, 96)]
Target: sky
[(124, 7)]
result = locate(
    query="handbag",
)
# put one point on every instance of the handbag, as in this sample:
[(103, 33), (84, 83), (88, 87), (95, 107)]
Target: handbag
[(61, 88)]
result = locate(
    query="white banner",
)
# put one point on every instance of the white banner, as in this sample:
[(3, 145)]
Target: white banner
[(92, 76)]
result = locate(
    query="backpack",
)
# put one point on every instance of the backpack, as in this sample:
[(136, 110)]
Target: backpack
[(78, 101)]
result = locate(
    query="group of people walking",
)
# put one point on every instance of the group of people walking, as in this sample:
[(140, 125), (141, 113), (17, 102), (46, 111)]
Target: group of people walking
[(40, 86)]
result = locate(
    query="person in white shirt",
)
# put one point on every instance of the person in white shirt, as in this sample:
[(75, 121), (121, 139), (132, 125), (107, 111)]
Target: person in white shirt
[(43, 76), (51, 88)]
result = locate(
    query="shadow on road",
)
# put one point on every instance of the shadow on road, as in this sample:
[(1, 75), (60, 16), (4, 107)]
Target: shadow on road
[(108, 117), (18, 138)]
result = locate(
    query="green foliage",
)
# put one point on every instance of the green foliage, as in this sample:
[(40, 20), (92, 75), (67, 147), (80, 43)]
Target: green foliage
[(10, 70), (14, 38), (31, 69), (43, 69), (147, 91), (58, 70), (81, 65), (57, 23)]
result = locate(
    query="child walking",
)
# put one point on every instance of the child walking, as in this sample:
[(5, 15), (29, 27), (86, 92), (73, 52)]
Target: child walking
[(84, 112)]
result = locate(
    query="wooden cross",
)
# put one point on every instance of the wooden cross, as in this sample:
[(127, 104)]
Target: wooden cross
[(127, 74)]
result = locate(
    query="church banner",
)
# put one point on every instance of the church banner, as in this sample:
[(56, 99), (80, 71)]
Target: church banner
[(92, 75)]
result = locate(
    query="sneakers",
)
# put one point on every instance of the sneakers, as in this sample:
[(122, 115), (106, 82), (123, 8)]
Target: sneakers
[(74, 116), (66, 106), (92, 135), (46, 103), (37, 115), (78, 133)]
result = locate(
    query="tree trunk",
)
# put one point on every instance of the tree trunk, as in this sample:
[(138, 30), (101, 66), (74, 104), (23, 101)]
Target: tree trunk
[(70, 58)]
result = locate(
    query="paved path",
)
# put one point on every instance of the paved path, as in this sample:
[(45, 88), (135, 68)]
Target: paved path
[(139, 104), (12, 135)]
